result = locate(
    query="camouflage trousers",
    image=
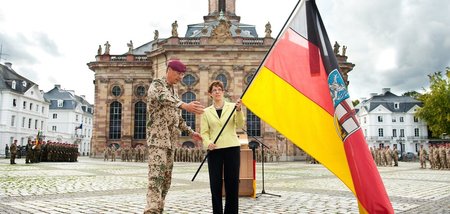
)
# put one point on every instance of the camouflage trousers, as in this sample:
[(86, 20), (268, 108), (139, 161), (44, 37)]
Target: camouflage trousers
[(160, 164)]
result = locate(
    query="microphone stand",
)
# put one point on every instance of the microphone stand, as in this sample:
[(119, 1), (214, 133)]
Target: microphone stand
[(263, 191)]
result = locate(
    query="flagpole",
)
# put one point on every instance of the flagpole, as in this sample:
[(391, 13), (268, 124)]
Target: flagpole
[(248, 85)]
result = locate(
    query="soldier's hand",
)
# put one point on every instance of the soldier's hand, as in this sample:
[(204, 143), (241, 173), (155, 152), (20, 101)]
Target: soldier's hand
[(196, 136), (193, 107)]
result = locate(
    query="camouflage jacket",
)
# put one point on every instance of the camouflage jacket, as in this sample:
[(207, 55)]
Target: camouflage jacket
[(165, 123)]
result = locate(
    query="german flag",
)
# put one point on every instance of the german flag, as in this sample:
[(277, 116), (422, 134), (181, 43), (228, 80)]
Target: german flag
[(300, 92)]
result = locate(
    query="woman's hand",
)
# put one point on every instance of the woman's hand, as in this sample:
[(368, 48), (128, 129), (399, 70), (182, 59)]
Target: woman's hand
[(238, 105), (211, 146)]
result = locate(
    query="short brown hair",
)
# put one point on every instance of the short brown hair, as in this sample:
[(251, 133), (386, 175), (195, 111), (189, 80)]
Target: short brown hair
[(215, 83)]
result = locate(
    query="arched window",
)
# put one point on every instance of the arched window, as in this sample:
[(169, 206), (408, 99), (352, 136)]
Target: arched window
[(187, 116), (253, 124), (189, 80), (223, 79), (115, 120), (140, 110)]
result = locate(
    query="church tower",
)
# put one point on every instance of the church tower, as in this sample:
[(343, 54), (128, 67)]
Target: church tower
[(227, 7)]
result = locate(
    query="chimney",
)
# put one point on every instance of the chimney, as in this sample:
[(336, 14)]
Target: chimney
[(9, 65), (83, 96), (57, 86), (384, 90), (373, 94)]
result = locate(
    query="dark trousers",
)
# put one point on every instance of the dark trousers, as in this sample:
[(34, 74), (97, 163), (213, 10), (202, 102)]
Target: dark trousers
[(224, 163), (12, 159)]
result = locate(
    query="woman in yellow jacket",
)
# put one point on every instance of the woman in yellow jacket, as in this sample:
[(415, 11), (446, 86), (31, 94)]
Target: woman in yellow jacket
[(224, 156)]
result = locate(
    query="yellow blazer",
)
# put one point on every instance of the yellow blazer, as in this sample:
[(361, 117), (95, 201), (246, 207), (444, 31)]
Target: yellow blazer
[(211, 125)]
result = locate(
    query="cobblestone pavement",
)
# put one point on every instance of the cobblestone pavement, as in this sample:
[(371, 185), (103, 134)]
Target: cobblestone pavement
[(95, 186)]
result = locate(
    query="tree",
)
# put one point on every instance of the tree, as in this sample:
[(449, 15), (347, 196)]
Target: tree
[(436, 104), (413, 94)]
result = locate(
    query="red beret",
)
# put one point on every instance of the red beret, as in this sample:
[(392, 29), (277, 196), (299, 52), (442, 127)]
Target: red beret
[(177, 66)]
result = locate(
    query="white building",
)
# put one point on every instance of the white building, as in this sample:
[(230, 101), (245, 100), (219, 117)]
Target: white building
[(23, 109), (70, 119), (388, 119)]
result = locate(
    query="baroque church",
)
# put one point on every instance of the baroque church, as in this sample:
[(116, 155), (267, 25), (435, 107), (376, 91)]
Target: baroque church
[(220, 48)]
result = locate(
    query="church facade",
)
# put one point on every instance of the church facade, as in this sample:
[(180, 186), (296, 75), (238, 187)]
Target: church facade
[(220, 48)]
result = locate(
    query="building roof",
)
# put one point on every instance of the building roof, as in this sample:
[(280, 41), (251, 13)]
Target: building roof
[(388, 100), (70, 100), (9, 77), (196, 30), (205, 29)]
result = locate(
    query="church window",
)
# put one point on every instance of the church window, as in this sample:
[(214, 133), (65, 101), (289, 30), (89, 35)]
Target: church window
[(253, 124), (140, 91), (116, 91), (140, 111), (188, 116), (223, 79), (115, 120), (249, 76), (189, 80)]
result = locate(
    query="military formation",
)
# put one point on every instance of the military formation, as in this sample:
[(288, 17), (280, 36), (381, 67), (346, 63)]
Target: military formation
[(181, 154), (385, 156), (45, 151), (42, 151), (438, 156), (127, 154)]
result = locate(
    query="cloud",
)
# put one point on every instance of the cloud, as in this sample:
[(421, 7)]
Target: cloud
[(394, 44), (43, 41), (15, 49)]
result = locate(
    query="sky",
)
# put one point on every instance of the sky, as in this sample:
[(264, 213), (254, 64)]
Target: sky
[(393, 44)]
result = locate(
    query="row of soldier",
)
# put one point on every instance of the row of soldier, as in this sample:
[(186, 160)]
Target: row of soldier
[(385, 156), (127, 154), (181, 154), (42, 151), (46, 151), (438, 155), (185, 154)]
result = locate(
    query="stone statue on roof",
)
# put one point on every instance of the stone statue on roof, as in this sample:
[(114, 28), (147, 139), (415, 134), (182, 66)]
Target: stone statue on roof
[(107, 47), (268, 30), (130, 47), (156, 35), (336, 48), (99, 50), (175, 29), (344, 49)]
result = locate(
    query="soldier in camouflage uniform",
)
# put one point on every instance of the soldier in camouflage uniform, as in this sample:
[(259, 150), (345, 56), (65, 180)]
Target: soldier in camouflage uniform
[(395, 155), (448, 155), (442, 157), (163, 128), (423, 157)]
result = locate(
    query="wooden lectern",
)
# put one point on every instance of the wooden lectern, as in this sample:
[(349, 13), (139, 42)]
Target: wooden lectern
[(246, 170)]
